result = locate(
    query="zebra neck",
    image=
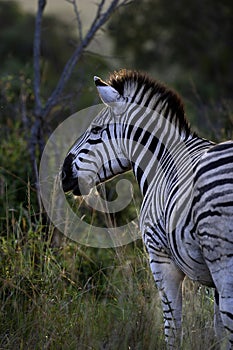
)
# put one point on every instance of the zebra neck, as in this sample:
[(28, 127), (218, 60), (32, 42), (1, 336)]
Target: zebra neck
[(159, 151)]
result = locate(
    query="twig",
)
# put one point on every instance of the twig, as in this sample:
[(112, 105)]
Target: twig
[(99, 20), (79, 21), (36, 56)]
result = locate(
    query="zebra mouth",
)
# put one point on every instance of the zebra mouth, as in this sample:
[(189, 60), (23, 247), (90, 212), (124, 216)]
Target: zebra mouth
[(78, 186)]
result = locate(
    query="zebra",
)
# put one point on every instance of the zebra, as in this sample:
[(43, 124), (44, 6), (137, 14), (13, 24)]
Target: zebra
[(186, 216)]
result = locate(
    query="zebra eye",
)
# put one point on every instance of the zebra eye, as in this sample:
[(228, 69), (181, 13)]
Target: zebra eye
[(96, 130)]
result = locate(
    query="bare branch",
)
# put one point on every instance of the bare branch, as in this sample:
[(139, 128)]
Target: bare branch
[(36, 139), (100, 19), (99, 9), (78, 18), (76, 10), (36, 56)]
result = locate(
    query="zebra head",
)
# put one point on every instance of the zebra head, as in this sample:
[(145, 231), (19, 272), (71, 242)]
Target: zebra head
[(97, 155)]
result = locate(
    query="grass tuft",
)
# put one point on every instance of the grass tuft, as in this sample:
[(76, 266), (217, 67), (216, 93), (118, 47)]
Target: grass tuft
[(69, 296)]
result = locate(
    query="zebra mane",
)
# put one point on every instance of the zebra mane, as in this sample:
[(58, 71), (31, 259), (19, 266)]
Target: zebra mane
[(134, 84)]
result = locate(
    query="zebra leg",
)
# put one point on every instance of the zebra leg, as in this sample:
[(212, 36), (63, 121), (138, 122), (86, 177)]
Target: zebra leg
[(218, 324), (226, 313), (222, 274), (169, 278)]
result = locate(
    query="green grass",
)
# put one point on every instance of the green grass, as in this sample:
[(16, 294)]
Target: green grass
[(69, 296)]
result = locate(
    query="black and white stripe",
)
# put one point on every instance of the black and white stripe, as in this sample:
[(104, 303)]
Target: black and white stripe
[(186, 216)]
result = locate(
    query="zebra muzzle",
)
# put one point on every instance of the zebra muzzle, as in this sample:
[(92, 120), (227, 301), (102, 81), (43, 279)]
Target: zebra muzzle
[(77, 186)]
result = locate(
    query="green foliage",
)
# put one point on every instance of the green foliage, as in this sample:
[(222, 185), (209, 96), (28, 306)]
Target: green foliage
[(75, 297), (57, 45), (14, 52), (189, 46), (14, 173), (165, 34)]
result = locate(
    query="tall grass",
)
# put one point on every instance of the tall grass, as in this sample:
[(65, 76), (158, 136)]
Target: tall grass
[(74, 297)]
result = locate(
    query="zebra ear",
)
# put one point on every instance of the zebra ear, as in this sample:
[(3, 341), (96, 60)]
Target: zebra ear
[(107, 93)]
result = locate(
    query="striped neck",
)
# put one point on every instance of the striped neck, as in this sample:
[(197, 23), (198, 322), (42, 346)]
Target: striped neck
[(158, 150)]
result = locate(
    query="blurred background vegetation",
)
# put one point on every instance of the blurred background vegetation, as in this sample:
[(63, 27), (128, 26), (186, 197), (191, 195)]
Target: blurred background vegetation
[(187, 46), (50, 288)]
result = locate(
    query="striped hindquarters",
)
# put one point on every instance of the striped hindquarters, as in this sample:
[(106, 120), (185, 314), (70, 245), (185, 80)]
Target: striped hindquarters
[(213, 189), (213, 223)]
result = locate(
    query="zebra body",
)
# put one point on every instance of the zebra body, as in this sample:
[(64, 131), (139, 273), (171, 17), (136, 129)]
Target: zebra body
[(186, 216)]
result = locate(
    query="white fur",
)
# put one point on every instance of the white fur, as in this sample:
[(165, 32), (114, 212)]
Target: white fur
[(107, 93)]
